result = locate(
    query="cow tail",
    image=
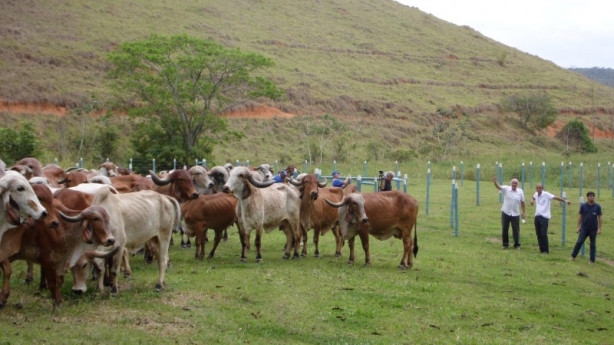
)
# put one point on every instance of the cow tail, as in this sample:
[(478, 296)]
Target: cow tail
[(177, 222), (416, 239)]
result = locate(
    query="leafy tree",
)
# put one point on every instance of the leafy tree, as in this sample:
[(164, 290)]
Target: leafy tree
[(535, 111), (17, 144), (182, 84), (576, 136)]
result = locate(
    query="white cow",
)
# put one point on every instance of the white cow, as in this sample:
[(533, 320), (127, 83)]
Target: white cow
[(264, 206), (137, 218)]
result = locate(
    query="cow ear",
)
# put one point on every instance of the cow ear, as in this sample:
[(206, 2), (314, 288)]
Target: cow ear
[(12, 214), (247, 191), (349, 217), (86, 233)]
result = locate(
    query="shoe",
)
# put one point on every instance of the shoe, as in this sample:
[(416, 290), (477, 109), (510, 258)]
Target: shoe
[(504, 247), (571, 258), (591, 262), (516, 247)]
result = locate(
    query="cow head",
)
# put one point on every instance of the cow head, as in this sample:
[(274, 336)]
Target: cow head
[(182, 187), (108, 169), (352, 209), (240, 182), (219, 176), (309, 184), (18, 199), (201, 180)]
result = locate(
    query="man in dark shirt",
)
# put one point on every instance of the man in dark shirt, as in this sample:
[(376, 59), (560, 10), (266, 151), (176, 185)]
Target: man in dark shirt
[(589, 225), (386, 183)]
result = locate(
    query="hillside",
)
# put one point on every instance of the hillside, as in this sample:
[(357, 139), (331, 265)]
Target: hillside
[(382, 67), (602, 75)]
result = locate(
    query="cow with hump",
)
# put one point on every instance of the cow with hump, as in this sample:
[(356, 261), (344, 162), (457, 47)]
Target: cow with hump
[(264, 206), (315, 213), (56, 242), (138, 218), (383, 215)]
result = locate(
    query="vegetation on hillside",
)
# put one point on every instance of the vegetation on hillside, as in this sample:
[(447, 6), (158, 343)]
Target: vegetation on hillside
[(600, 74)]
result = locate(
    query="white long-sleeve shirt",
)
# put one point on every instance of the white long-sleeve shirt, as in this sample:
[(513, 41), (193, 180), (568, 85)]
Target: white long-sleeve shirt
[(511, 200)]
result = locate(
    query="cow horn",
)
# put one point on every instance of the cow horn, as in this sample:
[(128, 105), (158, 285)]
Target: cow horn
[(70, 169), (74, 219), (259, 184), (323, 184), (337, 205), (295, 182), (159, 181), (92, 254)]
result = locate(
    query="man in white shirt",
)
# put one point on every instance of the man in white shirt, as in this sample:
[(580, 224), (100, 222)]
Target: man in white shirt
[(513, 198), (542, 215)]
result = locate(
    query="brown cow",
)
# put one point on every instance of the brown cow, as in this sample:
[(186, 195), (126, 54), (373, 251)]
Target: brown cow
[(383, 215), (212, 211), (315, 214), (178, 184), (73, 177), (131, 183), (57, 241), (73, 199)]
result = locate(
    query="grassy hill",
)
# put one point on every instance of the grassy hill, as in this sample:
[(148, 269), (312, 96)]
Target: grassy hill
[(382, 68)]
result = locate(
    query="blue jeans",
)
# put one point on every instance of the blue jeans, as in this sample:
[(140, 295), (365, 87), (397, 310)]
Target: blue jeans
[(505, 229), (592, 234), (541, 230)]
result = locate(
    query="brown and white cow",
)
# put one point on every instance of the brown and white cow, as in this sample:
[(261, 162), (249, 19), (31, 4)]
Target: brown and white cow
[(316, 214), (264, 206), (383, 215), (56, 242)]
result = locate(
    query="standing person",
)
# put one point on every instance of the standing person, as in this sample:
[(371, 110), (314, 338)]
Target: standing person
[(336, 180), (386, 183), (589, 225), (279, 178), (513, 199), (542, 215)]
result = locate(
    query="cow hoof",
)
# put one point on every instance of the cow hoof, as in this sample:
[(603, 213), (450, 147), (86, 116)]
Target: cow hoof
[(2, 304), (367, 264), (243, 260), (350, 262), (303, 255), (159, 287), (127, 275), (114, 289), (316, 255), (27, 281), (337, 255), (286, 257)]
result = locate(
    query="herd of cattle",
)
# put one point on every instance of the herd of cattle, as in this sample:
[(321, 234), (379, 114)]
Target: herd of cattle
[(92, 221)]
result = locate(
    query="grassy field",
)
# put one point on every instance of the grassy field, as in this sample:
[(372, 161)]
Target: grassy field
[(463, 290)]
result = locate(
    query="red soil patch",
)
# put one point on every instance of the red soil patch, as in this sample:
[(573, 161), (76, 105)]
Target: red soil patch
[(33, 108), (259, 112), (599, 134)]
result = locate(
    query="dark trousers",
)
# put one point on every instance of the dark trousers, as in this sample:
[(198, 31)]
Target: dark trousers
[(541, 230), (581, 238), (505, 226)]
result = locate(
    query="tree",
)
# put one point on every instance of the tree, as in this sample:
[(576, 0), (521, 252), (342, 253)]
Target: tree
[(575, 135), (17, 144), (535, 111), (182, 84)]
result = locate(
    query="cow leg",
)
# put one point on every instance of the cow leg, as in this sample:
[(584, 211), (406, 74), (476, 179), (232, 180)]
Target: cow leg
[(126, 263), (162, 260), (408, 258), (316, 242), (297, 236), (338, 239), (49, 275), (351, 243), (304, 238), (258, 243), (42, 285), (244, 244), (219, 234), (364, 240), (225, 235), (6, 280), (200, 243), (116, 263), (29, 273)]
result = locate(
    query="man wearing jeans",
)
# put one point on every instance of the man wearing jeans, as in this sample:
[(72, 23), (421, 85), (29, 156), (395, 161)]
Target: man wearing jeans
[(589, 225), (513, 198), (542, 199)]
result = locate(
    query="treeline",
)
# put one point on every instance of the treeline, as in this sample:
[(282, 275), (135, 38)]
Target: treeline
[(600, 74)]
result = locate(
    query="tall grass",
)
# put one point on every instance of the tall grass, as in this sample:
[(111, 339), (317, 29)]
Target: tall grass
[(463, 290)]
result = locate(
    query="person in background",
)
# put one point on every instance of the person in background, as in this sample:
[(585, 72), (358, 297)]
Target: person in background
[(589, 225), (279, 178), (336, 180), (291, 170), (542, 215), (386, 182), (513, 199)]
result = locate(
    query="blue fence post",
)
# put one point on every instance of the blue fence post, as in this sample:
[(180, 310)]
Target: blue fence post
[(456, 209), (396, 167), (452, 205), (462, 172), (174, 163), (276, 167), (477, 185), (562, 177), (570, 175), (107, 159), (522, 173), (130, 165), (359, 183), (564, 220), (428, 189), (543, 175), (154, 165), (405, 180), (531, 174), (56, 161), (608, 181), (581, 177), (81, 162), (598, 178), (335, 165), (364, 169), (500, 181), (306, 167)]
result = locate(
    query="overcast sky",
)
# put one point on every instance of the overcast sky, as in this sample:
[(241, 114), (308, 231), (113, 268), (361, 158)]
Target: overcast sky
[(570, 33)]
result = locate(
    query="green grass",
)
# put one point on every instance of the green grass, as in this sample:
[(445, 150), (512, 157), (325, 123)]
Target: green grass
[(463, 290)]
